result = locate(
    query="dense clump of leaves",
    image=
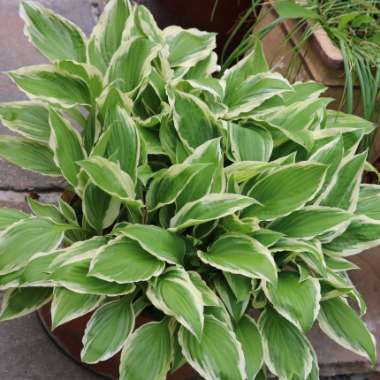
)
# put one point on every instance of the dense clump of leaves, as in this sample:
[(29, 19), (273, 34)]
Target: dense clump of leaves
[(195, 198)]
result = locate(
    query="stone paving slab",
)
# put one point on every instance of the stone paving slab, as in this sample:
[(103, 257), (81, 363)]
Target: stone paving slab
[(16, 51)]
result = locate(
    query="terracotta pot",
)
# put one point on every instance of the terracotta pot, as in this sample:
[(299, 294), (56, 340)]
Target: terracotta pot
[(69, 338), (198, 14)]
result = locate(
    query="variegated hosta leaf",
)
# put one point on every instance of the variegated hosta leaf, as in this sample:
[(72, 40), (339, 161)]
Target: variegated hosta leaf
[(295, 300), (29, 118), (344, 189), (131, 64), (210, 207), (241, 254), (124, 261), (68, 305), (49, 84), (28, 154), (361, 234), (245, 170), (169, 184), (99, 208), (250, 142), (210, 178), (193, 120), (330, 154), (36, 272), (250, 338), (236, 308), (309, 251), (54, 36), (266, 236), (188, 46), (148, 352), (287, 351), (218, 355), (159, 242), (45, 210), (107, 330), (174, 293), (22, 240), (310, 221), (254, 63), (107, 35), (253, 91), (208, 296), (9, 216), (66, 144), (74, 275), (109, 177), (78, 249), (295, 184), (240, 285), (124, 141), (21, 301), (369, 204), (341, 323)]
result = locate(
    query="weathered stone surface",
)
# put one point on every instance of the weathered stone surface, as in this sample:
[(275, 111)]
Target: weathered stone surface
[(335, 360), (16, 51)]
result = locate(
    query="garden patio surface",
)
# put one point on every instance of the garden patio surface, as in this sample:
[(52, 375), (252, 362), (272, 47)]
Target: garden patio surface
[(26, 352)]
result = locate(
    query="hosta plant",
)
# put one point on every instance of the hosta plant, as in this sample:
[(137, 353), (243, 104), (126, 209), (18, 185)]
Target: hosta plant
[(222, 207)]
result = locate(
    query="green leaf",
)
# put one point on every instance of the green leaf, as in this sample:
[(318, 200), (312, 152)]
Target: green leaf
[(130, 66), (107, 330), (21, 301), (310, 221), (66, 144), (241, 254), (250, 338), (218, 355), (159, 242), (369, 205), (124, 261), (106, 37), (193, 119), (210, 207), (295, 184), (9, 216), (54, 36), (341, 323), (174, 293), (291, 9), (344, 192), (286, 350), (147, 353), (109, 177), (68, 305), (250, 142), (245, 170), (28, 154), (49, 84), (295, 300), (253, 91), (362, 233), (169, 183), (188, 46), (74, 275), (25, 238), (99, 208), (36, 272), (28, 118)]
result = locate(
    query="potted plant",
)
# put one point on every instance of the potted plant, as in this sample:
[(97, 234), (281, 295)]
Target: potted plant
[(208, 219)]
